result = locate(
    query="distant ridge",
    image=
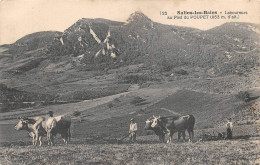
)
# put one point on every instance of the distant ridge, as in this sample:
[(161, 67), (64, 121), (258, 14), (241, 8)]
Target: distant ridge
[(100, 43)]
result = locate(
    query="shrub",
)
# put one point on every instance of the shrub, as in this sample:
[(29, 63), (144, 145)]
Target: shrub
[(243, 95), (110, 105), (181, 72), (135, 78), (137, 100), (116, 100), (76, 113)]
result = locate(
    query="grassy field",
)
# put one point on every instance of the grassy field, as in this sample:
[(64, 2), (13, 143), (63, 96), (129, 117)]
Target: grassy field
[(96, 130), (144, 152)]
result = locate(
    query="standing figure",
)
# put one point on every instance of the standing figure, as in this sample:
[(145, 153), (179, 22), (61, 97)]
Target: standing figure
[(50, 126), (132, 130), (229, 128)]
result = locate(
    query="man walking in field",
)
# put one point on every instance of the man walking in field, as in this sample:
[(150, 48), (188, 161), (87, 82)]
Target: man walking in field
[(229, 128), (132, 130)]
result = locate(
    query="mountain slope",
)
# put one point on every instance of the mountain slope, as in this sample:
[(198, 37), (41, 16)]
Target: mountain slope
[(34, 41), (140, 40)]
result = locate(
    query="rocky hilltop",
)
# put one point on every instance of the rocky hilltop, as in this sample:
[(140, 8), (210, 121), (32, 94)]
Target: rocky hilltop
[(100, 43)]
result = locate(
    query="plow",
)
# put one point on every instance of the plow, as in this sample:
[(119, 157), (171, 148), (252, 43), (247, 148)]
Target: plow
[(207, 136), (120, 141)]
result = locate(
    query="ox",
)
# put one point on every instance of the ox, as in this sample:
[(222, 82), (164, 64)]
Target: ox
[(157, 130), (49, 126), (33, 127), (172, 124), (38, 127), (61, 127)]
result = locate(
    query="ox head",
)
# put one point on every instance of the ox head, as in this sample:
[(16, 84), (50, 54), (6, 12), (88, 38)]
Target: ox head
[(22, 124), (148, 123), (155, 121)]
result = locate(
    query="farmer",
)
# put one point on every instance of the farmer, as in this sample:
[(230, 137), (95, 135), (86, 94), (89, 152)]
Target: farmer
[(229, 128), (132, 130)]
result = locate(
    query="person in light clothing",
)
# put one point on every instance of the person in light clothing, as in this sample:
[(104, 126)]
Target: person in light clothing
[(132, 130), (229, 128)]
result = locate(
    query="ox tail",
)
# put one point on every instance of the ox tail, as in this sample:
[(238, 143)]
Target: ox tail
[(191, 123)]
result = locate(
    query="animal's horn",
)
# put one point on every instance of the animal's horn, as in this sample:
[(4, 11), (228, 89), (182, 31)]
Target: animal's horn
[(159, 116), (153, 116)]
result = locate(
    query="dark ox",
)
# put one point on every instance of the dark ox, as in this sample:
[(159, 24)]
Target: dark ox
[(62, 127), (38, 127), (157, 130), (172, 124)]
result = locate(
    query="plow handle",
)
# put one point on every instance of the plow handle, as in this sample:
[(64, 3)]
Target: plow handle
[(125, 136)]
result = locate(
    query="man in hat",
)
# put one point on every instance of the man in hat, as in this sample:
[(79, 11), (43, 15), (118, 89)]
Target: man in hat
[(229, 128), (132, 130)]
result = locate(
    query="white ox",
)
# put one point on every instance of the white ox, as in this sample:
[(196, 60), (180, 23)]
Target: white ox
[(34, 127)]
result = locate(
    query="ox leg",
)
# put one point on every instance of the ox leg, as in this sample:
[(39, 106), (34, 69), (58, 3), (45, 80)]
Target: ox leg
[(160, 138), (33, 138), (179, 135), (170, 137), (69, 135), (168, 140), (40, 140), (191, 135), (65, 139), (49, 138), (163, 138), (52, 139), (36, 138), (183, 135)]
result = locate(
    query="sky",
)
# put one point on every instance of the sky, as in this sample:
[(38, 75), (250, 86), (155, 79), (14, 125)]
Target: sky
[(21, 17)]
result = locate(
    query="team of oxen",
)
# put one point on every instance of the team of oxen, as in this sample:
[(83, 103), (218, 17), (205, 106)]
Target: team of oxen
[(162, 126), (169, 125), (40, 126)]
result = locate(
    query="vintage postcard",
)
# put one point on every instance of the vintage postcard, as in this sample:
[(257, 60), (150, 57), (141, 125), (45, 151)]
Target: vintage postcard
[(129, 82)]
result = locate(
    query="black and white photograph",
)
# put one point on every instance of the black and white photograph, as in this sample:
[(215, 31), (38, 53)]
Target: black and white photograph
[(131, 82)]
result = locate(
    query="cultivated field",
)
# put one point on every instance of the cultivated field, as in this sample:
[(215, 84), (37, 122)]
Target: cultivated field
[(101, 122), (146, 151)]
